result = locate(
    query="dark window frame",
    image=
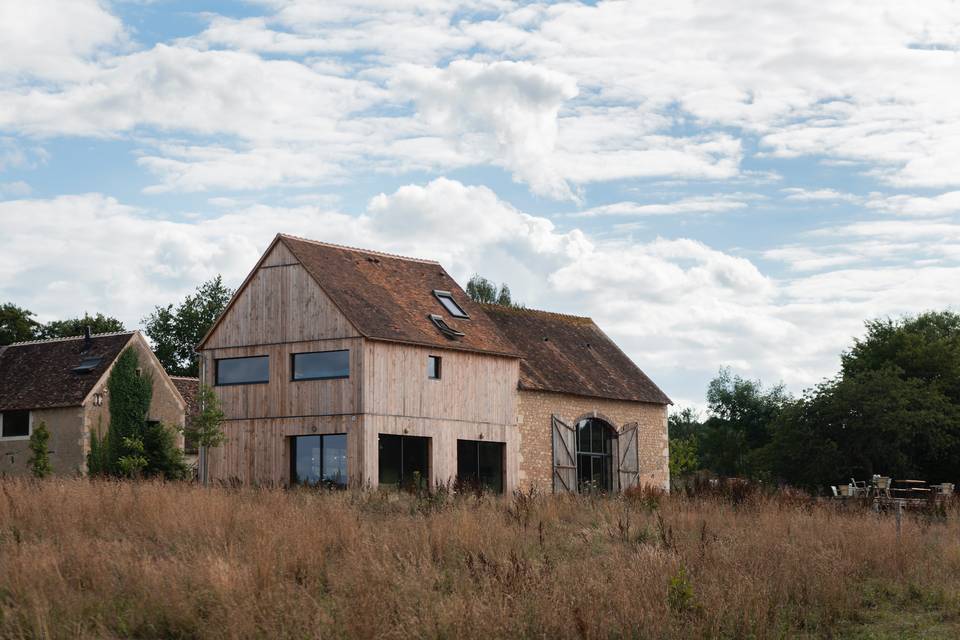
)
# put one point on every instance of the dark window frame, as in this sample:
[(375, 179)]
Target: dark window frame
[(445, 328), (405, 471), (438, 369), (293, 368), (476, 482), (603, 458), (4, 438), (441, 295), (216, 371), (292, 447)]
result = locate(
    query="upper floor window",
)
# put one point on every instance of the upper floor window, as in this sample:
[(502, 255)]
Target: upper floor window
[(15, 424), (252, 370), (321, 365), (433, 367), (446, 299)]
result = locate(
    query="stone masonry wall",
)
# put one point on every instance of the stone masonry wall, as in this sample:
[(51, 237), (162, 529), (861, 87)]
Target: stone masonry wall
[(536, 449)]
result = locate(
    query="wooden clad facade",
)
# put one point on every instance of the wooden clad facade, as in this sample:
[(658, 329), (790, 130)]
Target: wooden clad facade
[(305, 297)]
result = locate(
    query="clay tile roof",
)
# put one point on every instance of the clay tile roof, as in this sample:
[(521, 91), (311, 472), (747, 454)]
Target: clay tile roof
[(38, 375), (189, 388), (570, 354), (390, 297)]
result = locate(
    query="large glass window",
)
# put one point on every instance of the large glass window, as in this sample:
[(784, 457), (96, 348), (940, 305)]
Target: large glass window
[(319, 460), (594, 455), (15, 424), (404, 461), (480, 465), (250, 370), (321, 365)]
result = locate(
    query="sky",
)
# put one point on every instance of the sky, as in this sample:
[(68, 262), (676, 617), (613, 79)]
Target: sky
[(718, 184)]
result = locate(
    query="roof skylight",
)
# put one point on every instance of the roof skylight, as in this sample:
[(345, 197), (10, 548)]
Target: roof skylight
[(444, 328), (87, 364), (446, 299)]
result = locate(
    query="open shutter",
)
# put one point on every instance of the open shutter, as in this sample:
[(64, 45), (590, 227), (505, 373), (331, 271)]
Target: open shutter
[(564, 457), (628, 456)]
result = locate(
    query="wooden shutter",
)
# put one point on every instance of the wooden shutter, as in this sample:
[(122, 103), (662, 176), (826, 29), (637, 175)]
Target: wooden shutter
[(627, 452), (564, 457)]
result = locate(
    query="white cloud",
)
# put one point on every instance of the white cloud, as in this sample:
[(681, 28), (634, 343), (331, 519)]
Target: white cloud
[(52, 39), (939, 205), (819, 195), (717, 203)]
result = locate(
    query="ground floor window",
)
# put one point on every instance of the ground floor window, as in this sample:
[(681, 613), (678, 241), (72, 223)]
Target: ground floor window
[(15, 424), (594, 455), (319, 460), (404, 461), (480, 465)]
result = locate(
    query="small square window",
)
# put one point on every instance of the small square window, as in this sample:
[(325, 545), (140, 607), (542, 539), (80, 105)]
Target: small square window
[(15, 424), (433, 367), (446, 299)]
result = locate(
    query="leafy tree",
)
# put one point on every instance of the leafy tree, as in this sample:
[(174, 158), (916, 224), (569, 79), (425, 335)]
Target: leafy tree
[(130, 395), (134, 460), (482, 290), (76, 326), (684, 428), (206, 427), (176, 331), (40, 451), (17, 324), (741, 421), (163, 457)]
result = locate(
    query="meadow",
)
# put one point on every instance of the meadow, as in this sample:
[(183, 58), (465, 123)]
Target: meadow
[(81, 559)]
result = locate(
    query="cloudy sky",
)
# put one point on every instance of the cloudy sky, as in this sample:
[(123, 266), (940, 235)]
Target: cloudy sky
[(716, 183)]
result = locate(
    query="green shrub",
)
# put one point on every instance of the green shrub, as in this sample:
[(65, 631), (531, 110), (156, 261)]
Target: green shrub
[(40, 452), (163, 456)]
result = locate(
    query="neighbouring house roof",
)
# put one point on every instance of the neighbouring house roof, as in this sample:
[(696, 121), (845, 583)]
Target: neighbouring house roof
[(39, 375), (189, 389), (390, 297), (570, 354)]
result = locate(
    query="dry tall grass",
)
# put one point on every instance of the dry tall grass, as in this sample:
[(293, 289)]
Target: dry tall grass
[(100, 559)]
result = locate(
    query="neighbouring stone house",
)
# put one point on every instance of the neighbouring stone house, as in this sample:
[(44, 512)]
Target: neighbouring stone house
[(340, 366), (63, 383)]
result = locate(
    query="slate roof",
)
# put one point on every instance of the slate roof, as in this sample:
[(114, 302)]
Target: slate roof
[(38, 375), (390, 297), (570, 354)]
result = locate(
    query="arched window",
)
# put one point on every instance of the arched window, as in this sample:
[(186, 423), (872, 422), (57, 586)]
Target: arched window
[(595, 455)]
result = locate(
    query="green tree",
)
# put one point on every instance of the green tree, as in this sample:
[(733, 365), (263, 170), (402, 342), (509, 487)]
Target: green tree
[(98, 323), (206, 427), (740, 425), (482, 290), (684, 428), (163, 457), (17, 324), (176, 330), (40, 451), (130, 392), (894, 409)]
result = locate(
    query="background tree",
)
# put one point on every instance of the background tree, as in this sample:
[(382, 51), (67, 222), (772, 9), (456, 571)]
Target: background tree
[(176, 331), (206, 427), (98, 323), (40, 452), (482, 290), (17, 324), (684, 428)]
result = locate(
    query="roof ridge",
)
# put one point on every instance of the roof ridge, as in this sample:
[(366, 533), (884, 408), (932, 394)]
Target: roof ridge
[(530, 311), (64, 339), (358, 249)]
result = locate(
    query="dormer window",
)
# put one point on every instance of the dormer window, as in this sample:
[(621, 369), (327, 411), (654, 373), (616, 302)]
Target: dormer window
[(444, 328), (446, 299), (86, 365)]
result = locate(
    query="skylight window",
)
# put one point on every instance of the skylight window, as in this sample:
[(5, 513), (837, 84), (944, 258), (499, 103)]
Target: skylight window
[(87, 364), (444, 328), (446, 299)]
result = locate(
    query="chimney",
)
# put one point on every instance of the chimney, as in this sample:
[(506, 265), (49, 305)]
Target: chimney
[(87, 340)]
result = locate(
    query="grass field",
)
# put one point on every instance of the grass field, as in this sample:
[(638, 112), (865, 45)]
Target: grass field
[(85, 559)]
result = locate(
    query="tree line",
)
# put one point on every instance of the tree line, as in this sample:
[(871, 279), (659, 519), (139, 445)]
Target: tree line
[(893, 409)]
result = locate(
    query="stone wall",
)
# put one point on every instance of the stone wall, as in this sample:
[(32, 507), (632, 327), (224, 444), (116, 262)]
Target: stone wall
[(66, 455), (536, 442)]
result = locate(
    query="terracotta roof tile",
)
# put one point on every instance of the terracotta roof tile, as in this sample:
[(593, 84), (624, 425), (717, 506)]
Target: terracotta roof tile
[(570, 354), (389, 297), (189, 388), (39, 375)]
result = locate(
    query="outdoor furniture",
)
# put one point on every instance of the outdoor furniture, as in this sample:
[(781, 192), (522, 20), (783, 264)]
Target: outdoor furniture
[(858, 488)]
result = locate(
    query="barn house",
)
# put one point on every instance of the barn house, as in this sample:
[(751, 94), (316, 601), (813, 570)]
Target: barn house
[(62, 382), (342, 366)]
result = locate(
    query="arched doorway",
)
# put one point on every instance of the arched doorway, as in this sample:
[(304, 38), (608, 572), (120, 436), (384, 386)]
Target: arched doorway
[(595, 467)]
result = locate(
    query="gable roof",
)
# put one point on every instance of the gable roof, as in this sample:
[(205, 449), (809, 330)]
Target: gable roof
[(38, 375), (389, 297), (570, 354)]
